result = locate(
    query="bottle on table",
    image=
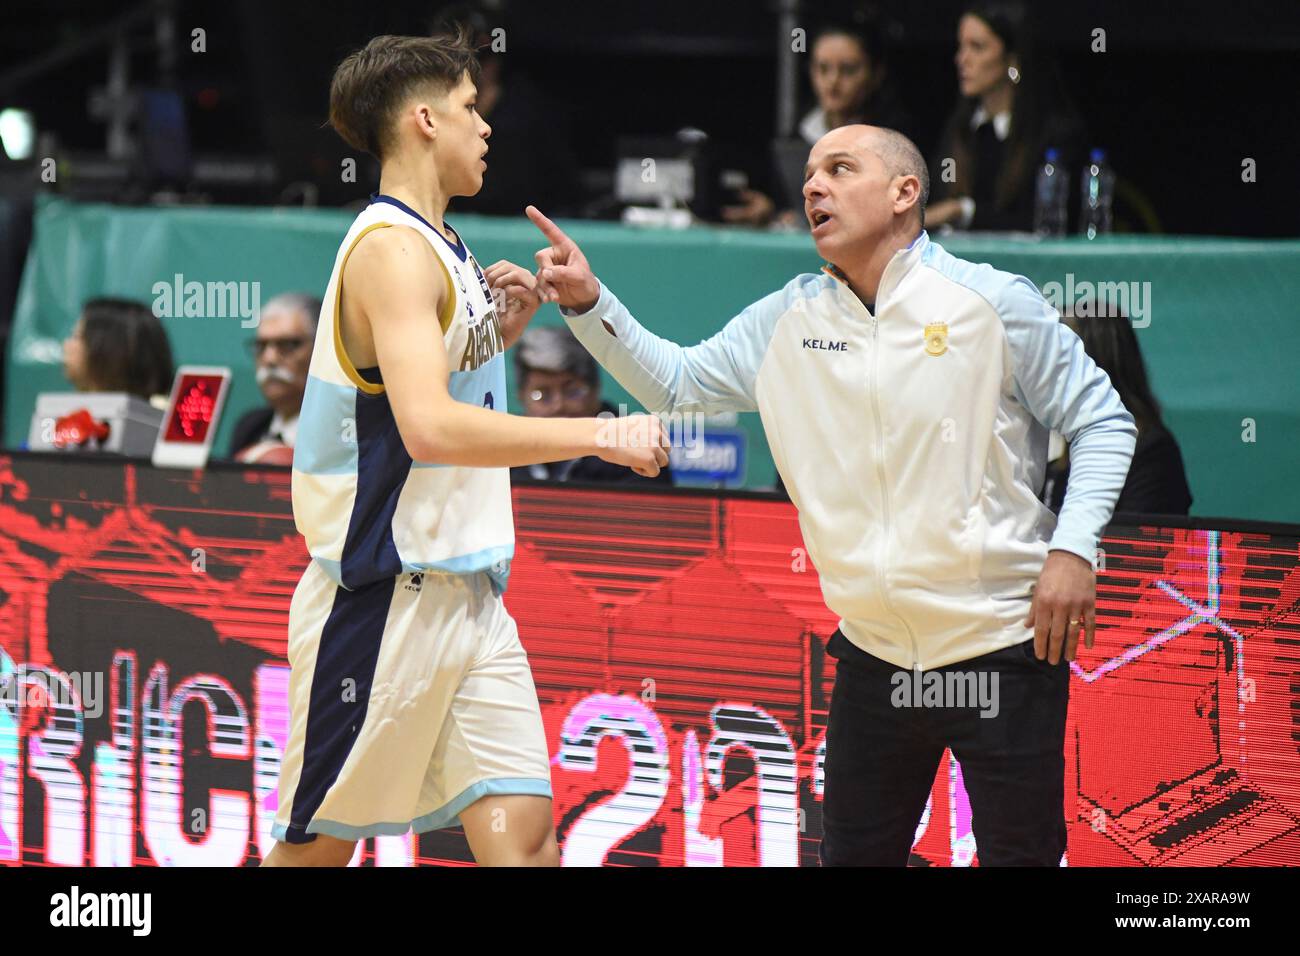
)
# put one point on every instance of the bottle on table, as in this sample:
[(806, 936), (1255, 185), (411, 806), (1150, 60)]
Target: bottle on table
[(1051, 196), (1097, 191)]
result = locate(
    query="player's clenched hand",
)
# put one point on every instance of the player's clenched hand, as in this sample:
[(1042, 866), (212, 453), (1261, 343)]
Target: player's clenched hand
[(1064, 601), (562, 269), (638, 441), (515, 296)]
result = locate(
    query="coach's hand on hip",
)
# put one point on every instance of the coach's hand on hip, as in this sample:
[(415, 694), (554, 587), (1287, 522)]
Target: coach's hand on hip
[(1064, 600), (562, 271)]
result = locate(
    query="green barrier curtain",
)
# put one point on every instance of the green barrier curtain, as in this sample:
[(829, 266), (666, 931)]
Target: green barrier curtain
[(1218, 332)]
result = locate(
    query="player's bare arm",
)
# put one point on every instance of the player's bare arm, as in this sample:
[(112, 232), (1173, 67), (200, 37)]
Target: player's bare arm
[(393, 292)]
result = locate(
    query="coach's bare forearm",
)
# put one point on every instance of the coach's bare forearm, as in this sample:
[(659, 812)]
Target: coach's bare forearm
[(457, 433)]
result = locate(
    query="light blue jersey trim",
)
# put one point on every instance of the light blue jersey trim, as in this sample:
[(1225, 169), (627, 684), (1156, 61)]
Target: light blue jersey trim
[(472, 388), (449, 815), (484, 562), (446, 816), (464, 563), (323, 446), (717, 375), (333, 569)]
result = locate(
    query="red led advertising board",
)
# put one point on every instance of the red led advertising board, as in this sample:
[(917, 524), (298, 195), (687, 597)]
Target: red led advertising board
[(677, 642)]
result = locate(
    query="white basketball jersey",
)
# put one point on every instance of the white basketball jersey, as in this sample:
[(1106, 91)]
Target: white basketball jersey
[(367, 511)]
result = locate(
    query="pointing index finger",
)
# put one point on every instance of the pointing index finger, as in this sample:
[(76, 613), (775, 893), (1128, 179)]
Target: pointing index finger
[(549, 229)]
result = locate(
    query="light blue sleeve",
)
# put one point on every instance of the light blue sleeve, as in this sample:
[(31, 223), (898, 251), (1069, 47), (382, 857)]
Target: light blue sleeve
[(1062, 387), (717, 375)]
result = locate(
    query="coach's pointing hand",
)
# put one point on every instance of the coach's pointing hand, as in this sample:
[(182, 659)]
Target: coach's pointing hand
[(562, 270)]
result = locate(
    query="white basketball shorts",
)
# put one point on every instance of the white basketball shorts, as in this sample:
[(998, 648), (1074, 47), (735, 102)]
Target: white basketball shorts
[(409, 699)]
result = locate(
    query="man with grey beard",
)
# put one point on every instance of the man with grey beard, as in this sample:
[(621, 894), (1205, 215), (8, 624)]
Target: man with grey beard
[(281, 350)]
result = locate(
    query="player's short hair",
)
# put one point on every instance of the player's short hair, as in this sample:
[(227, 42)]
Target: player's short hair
[(371, 84), (553, 348), (305, 303), (902, 158)]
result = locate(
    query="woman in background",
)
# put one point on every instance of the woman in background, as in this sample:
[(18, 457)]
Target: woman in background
[(848, 72), (848, 68), (1011, 110), (118, 345), (1157, 481)]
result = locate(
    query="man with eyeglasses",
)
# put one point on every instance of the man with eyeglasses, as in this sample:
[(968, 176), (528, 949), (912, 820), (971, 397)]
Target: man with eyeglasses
[(557, 378), (281, 350)]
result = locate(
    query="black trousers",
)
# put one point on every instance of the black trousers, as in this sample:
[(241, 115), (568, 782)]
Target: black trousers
[(881, 757)]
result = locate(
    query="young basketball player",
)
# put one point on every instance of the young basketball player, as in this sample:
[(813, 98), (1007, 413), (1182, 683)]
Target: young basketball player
[(412, 702)]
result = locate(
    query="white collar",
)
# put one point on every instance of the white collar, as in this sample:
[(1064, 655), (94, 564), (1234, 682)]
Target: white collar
[(1001, 122), (899, 265), (813, 126), (286, 428)]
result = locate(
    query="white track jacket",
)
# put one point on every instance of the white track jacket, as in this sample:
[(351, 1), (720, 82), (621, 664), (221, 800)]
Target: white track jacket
[(912, 441)]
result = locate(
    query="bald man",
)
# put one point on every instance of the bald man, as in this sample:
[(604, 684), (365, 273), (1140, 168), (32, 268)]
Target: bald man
[(907, 396)]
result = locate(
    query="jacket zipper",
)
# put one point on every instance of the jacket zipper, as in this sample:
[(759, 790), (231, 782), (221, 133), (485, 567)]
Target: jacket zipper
[(884, 493)]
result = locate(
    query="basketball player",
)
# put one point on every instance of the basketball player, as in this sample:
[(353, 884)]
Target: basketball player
[(412, 703), (907, 395)]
